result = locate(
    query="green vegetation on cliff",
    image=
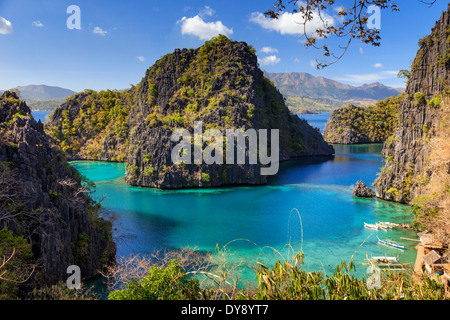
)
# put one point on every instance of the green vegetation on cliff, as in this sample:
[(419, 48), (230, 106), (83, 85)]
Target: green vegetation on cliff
[(418, 153), (48, 221), (219, 84), (352, 124), (86, 119)]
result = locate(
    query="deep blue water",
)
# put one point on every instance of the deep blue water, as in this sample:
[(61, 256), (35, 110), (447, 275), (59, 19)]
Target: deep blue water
[(316, 120), (307, 206), (40, 115)]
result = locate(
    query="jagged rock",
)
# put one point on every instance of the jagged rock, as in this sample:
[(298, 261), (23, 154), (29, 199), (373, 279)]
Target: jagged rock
[(219, 84), (244, 99), (362, 191), (44, 201), (405, 173)]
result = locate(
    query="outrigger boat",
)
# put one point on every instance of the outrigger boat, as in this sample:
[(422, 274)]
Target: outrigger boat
[(390, 243), (384, 225), (371, 226), (387, 262)]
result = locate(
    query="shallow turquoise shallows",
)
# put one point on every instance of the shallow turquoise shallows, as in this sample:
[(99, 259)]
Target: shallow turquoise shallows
[(255, 223)]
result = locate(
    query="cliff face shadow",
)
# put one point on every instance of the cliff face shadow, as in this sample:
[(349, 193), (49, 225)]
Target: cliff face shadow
[(305, 166), (141, 232)]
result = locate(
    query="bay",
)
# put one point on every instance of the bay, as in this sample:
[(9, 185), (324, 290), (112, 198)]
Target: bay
[(308, 206), (317, 120)]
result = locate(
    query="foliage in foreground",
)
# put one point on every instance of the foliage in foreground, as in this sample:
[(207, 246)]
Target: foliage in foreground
[(285, 280), (169, 283)]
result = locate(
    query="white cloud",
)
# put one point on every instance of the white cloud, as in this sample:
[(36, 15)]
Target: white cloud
[(37, 23), (297, 60), (100, 31), (368, 77), (378, 65), (269, 60), (5, 26), (291, 23), (313, 64), (203, 30), (207, 12), (140, 58), (361, 50), (268, 50)]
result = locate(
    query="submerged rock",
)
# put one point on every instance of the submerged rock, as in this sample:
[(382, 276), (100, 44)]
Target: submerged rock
[(362, 191)]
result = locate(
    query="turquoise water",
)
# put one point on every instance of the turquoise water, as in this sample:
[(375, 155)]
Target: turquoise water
[(253, 223)]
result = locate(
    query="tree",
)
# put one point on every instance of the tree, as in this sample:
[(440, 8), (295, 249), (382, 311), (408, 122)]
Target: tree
[(15, 269), (404, 74), (353, 26), (169, 283)]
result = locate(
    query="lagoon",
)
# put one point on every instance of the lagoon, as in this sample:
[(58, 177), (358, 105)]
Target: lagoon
[(308, 206)]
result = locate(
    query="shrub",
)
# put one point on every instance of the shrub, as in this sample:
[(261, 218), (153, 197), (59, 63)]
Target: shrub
[(435, 101), (147, 157), (419, 98), (205, 177), (148, 171), (14, 254), (81, 251), (170, 283)]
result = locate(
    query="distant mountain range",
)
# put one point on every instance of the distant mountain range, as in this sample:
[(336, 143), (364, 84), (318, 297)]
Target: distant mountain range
[(306, 93), (43, 92), (42, 97)]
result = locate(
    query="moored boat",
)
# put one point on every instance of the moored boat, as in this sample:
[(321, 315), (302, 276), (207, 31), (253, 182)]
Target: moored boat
[(387, 262), (370, 226), (381, 226), (386, 225), (391, 243)]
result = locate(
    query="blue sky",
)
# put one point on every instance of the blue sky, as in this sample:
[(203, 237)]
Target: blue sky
[(119, 40)]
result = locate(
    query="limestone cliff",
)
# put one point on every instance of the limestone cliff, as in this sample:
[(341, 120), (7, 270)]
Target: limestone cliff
[(417, 155), (219, 84), (43, 200)]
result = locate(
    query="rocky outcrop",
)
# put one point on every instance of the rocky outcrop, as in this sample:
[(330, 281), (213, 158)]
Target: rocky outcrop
[(406, 152), (43, 200), (362, 191), (92, 125), (218, 84), (417, 169), (221, 85), (354, 125)]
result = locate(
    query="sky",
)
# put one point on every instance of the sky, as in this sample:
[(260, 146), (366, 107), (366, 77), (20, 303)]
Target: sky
[(117, 41)]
